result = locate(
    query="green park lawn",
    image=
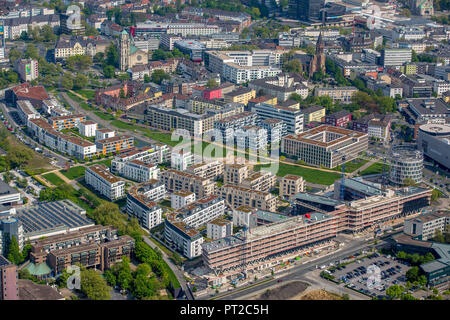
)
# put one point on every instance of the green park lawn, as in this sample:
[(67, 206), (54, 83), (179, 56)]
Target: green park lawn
[(89, 94), (74, 97), (352, 166), (104, 116), (86, 107), (373, 169), (53, 178), (310, 175), (74, 172)]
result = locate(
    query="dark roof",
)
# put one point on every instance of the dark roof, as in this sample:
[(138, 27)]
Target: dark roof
[(338, 114), (6, 189), (4, 261)]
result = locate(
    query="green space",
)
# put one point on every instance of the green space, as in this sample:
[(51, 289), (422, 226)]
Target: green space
[(310, 175), (123, 125), (88, 94), (86, 107), (74, 172), (104, 116), (53, 178), (106, 162), (74, 97), (352, 166), (374, 168)]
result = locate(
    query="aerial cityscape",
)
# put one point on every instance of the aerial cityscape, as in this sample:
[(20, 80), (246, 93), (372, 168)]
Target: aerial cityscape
[(234, 150)]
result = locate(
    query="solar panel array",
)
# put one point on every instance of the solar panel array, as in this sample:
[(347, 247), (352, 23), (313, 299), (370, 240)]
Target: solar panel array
[(51, 215)]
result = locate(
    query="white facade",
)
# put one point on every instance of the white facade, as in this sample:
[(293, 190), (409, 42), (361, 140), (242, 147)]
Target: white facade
[(219, 229), (138, 171), (104, 134), (181, 159), (181, 199), (104, 182), (88, 128), (26, 111), (149, 215)]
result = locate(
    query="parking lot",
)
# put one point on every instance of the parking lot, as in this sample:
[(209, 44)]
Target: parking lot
[(356, 275)]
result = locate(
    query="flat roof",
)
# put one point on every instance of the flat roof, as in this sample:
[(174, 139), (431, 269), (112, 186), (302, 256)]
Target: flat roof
[(103, 172), (48, 216)]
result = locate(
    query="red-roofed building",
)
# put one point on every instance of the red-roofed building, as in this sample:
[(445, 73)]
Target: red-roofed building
[(36, 95)]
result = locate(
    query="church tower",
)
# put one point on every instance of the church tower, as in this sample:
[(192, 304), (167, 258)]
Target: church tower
[(124, 51), (318, 60)]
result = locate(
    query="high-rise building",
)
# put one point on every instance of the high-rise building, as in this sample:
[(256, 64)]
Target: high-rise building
[(27, 69), (8, 280), (305, 9)]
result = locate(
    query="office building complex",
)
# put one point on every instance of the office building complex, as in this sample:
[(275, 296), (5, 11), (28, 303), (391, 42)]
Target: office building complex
[(305, 10), (434, 141), (424, 226), (375, 125), (325, 145), (99, 177), (405, 162), (395, 57)]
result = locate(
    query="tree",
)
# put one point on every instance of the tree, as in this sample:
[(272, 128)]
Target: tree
[(147, 78), (413, 274), (14, 54), (293, 66), (112, 56), (395, 291), (124, 76), (212, 83), (109, 71), (436, 194), (296, 97), (124, 277), (408, 182), (80, 81), (31, 52), (78, 62), (438, 236), (67, 81), (93, 285), (110, 278), (48, 34), (13, 251), (159, 75)]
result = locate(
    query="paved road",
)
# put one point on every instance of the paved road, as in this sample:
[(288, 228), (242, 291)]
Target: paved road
[(297, 272), (174, 268)]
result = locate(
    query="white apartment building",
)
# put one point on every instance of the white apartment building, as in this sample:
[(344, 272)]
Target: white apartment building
[(142, 206), (183, 238), (56, 140), (26, 111), (237, 74), (104, 133), (104, 182), (181, 159), (140, 171), (202, 211), (149, 155), (292, 117), (181, 199), (219, 228), (88, 128), (54, 108)]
